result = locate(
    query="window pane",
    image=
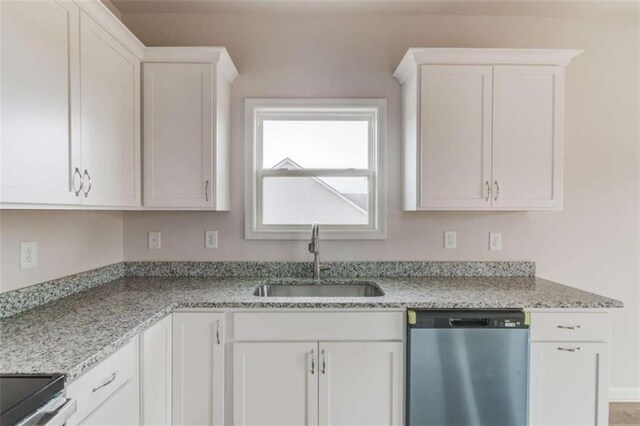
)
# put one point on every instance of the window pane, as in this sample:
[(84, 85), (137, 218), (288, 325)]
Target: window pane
[(320, 144), (304, 200)]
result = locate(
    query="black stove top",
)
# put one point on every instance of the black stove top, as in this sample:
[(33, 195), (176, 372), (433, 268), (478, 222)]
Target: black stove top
[(22, 394)]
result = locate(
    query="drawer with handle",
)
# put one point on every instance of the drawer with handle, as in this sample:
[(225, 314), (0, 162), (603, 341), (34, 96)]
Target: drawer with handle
[(100, 382), (570, 326)]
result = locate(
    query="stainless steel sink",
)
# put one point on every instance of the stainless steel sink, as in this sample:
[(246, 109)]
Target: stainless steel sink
[(318, 289)]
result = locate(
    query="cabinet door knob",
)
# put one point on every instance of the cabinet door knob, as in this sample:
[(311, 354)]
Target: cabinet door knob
[(486, 182), (88, 176), (570, 327), (576, 349), (206, 190), (313, 363), (497, 190), (76, 172), (218, 331), (324, 363)]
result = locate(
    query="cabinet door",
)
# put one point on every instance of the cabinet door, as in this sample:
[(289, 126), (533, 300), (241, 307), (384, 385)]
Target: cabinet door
[(155, 373), (121, 408), (361, 383), (178, 135), (455, 140), (527, 137), (568, 383), (198, 369), (40, 102), (275, 383), (110, 118)]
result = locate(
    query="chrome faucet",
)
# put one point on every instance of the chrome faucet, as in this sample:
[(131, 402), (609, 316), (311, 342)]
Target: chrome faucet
[(314, 248)]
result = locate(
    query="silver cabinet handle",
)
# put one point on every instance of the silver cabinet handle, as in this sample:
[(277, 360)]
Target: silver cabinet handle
[(324, 364), (218, 332), (313, 363), (570, 327), (488, 190), (576, 349), (76, 172), (107, 382), (206, 190), (86, 173), (497, 190)]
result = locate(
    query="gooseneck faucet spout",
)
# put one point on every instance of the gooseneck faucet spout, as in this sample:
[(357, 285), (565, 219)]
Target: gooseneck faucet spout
[(314, 248)]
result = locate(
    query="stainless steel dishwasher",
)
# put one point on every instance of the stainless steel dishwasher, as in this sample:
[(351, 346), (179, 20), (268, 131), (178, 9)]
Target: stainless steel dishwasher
[(467, 368)]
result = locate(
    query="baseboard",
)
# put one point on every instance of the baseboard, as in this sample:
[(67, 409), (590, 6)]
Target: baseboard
[(624, 394)]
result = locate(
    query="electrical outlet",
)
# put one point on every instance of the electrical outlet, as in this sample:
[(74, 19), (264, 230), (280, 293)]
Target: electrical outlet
[(154, 240), (450, 239), (28, 255), (495, 241), (211, 239)]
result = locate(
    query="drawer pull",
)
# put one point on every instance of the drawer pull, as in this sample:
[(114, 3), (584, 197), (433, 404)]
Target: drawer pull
[(107, 382), (576, 349), (570, 327)]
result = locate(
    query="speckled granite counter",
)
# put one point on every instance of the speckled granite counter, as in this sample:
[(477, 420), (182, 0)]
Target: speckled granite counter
[(71, 334)]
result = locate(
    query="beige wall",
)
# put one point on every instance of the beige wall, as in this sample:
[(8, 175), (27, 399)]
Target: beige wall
[(68, 243), (592, 244)]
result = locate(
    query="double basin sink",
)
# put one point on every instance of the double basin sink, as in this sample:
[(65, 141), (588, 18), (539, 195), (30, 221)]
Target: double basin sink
[(318, 288)]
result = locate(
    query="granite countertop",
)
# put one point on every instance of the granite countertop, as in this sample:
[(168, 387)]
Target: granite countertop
[(71, 334)]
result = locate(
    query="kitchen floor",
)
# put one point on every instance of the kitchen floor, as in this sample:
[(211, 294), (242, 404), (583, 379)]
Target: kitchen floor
[(624, 413)]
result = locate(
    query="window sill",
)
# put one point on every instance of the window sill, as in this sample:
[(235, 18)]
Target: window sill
[(251, 234)]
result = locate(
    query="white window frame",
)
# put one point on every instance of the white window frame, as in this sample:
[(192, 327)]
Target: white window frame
[(374, 110)]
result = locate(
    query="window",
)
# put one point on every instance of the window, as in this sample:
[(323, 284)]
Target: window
[(315, 160)]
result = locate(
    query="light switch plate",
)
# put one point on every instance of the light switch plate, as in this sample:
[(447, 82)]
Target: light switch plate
[(450, 239), (495, 241), (154, 241), (211, 239), (28, 255)]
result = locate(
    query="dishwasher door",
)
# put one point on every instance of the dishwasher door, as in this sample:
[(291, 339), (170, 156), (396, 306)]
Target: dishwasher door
[(467, 373)]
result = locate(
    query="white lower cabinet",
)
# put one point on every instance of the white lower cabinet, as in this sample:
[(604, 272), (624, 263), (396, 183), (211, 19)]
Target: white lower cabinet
[(108, 393), (155, 373), (568, 383), (275, 383), (346, 375), (198, 368), (568, 377), (361, 383), (311, 383), (120, 409)]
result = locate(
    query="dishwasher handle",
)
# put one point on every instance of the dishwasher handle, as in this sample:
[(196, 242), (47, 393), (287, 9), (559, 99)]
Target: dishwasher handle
[(469, 322)]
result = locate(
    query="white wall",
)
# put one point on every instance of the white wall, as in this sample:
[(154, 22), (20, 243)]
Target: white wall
[(592, 244), (68, 243)]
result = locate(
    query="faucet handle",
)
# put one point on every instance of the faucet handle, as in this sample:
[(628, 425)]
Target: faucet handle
[(312, 247)]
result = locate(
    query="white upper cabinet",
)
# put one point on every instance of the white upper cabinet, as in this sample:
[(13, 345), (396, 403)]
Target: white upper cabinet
[(527, 137), (70, 107), (39, 146), (483, 128), (455, 112), (110, 118), (186, 96)]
